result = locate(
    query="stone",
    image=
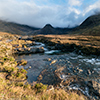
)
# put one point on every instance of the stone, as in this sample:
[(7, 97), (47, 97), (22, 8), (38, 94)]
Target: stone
[(50, 87), (80, 70), (49, 59), (54, 61), (29, 50), (29, 67)]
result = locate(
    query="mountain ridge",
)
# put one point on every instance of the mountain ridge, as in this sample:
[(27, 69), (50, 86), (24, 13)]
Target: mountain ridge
[(16, 28), (90, 26)]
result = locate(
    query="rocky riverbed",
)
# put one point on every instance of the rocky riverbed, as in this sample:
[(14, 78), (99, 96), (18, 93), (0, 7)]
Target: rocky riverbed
[(69, 71)]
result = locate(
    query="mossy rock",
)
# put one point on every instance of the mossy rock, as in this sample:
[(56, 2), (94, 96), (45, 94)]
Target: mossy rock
[(22, 62)]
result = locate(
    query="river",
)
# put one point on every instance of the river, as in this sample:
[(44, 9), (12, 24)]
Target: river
[(87, 67)]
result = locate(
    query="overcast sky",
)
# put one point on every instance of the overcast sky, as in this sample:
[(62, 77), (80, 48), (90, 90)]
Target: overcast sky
[(58, 13)]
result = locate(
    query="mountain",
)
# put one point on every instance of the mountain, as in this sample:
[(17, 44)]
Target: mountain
[(49, 29), (91, 21), (15, 28), (91, 26)]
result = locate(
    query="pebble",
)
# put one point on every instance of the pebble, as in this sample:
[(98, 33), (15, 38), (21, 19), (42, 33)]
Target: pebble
[(49, 59), (29, 67), (54, 61)]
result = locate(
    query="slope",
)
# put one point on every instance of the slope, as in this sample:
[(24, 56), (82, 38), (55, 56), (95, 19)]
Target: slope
[(15, 28)]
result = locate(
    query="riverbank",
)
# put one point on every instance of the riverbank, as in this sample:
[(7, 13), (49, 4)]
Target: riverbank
[(13, 83), (80, 44)]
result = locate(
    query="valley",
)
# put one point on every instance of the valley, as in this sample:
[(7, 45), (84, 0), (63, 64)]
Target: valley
[(50, 63)]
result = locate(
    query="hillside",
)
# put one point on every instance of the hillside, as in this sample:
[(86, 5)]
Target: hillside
[(91, 26), (15, 28), (93, 20), (20, 29), (49, 29)]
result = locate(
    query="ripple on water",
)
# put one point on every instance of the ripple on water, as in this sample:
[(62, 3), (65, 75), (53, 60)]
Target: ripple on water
[(52, 51)]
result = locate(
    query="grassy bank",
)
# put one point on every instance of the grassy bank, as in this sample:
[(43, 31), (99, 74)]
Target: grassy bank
[(89, 45)]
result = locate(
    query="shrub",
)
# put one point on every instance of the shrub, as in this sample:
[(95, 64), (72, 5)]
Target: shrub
[(8, 69), (40, 87), (23, 71), (5, 58), (19, 84), (27, 86)]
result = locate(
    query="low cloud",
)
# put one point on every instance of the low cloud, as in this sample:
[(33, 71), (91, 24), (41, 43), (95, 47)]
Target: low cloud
[(75, 2), (33, 14)]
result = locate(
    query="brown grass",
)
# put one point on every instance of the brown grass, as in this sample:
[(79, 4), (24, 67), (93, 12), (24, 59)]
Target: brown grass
[(91, 41)]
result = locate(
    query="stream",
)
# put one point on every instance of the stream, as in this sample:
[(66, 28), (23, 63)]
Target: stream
[(86, 67)]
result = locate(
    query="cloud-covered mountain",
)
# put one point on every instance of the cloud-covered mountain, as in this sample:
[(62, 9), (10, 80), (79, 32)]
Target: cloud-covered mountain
[(90, 26), (49, 29), (37, 13)]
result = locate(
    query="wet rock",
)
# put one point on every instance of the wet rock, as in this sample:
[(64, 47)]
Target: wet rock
[(51, 75), (50, 87), (54, 61), (50, 78), (29, 67), (29, 50), (80, 70), (22, 62), (30, 43), (48, 59), (96, 85), (94, 89)]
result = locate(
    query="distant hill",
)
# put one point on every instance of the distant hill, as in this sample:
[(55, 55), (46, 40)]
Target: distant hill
[(15, 28), (91, 26), (49, 29), (91, 21)]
